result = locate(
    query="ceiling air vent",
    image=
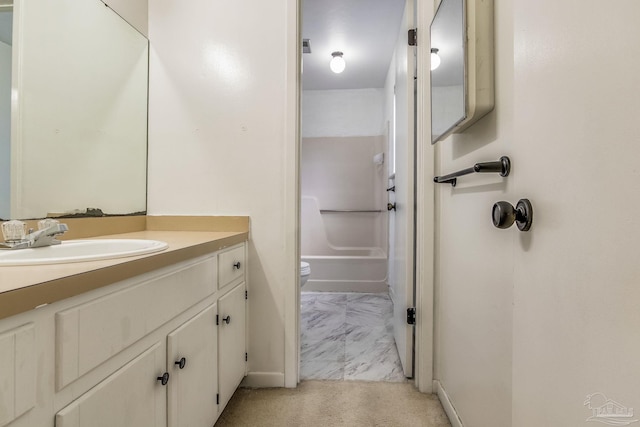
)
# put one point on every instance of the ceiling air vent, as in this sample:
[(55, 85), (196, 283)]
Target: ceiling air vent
[(306, 46)]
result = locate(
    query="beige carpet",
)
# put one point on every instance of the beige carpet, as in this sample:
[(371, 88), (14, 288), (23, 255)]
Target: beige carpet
[(334, 403)]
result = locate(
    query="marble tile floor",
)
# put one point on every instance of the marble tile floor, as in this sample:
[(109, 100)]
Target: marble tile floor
[(348, 336)]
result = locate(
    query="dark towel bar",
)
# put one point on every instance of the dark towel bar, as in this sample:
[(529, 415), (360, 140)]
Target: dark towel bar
[(502, 166), (349, 210)]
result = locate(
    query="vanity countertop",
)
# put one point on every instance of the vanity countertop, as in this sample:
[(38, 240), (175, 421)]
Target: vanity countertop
[(24, 288)]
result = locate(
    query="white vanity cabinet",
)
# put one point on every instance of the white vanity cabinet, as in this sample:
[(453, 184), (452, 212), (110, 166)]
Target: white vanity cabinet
[(164, 349)]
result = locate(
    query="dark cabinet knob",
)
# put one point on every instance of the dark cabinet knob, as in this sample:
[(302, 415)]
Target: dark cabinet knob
[(164, 379), (236, 265), (391, 206), (181, 363), (504, 214), (227, 319)]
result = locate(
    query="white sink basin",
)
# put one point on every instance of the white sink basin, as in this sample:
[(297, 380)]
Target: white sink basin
[(80, 250)]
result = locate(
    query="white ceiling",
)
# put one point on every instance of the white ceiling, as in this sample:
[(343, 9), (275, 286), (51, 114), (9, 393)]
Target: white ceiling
[(364, 30)]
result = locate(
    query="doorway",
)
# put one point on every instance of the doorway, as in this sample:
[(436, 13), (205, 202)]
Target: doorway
[(357, 156)]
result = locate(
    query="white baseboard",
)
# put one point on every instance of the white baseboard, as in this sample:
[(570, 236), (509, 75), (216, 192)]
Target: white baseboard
[(263, 380), (449, 409)]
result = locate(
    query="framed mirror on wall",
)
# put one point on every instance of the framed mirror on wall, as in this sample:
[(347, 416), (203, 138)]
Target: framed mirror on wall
[(462, 68), (6, 40), (77, 111)]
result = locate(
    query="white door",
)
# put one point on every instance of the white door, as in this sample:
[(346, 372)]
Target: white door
[(576, 151), (401, 283)]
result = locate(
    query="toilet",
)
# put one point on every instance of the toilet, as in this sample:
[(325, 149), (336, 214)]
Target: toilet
[(305, 271)]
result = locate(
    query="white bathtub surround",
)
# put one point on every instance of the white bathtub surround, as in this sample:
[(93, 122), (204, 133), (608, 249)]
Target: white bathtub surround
[(348, 336), (352, 270), (305, 270), (342, 133), (325, 233), (337, 173), (349, 261)]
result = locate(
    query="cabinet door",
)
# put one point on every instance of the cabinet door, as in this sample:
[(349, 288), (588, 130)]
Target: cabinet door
[(17, 372), (131, 397), (232, 344), (192, 362)]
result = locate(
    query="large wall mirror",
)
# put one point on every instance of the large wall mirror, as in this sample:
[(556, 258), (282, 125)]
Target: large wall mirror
[(73, 79), (462, 86)]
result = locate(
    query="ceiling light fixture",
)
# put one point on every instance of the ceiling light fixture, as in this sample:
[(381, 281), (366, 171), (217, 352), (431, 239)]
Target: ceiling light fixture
[(337, 63), (435, 58)]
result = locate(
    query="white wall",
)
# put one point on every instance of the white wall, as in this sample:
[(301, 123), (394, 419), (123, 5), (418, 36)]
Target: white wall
[(222, 142), (353, 112), (5, 129), (529, 324)]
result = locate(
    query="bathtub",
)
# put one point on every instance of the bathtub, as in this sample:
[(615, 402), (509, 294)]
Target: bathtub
[(347, 270)]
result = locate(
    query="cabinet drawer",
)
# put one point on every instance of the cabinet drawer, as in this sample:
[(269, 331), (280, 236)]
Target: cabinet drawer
[(89, 334), (231, 265)]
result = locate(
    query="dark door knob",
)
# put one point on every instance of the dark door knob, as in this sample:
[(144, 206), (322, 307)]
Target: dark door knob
[(227, 319), (504, 214), (236, 265), (181, 363), (164, 379)]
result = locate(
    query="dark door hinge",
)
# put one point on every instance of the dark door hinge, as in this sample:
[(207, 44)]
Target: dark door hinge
[(246, 357), (217, 320), (246, 294), (217, 399), (411, 315), (413, 37)]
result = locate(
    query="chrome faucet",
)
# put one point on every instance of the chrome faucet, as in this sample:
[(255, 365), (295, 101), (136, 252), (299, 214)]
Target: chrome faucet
[(35, 239), (46, 236)]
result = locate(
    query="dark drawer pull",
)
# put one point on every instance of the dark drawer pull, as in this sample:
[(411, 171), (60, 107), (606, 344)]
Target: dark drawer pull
[(164, 379), (236, 265), (181, 363), (227, 319)]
